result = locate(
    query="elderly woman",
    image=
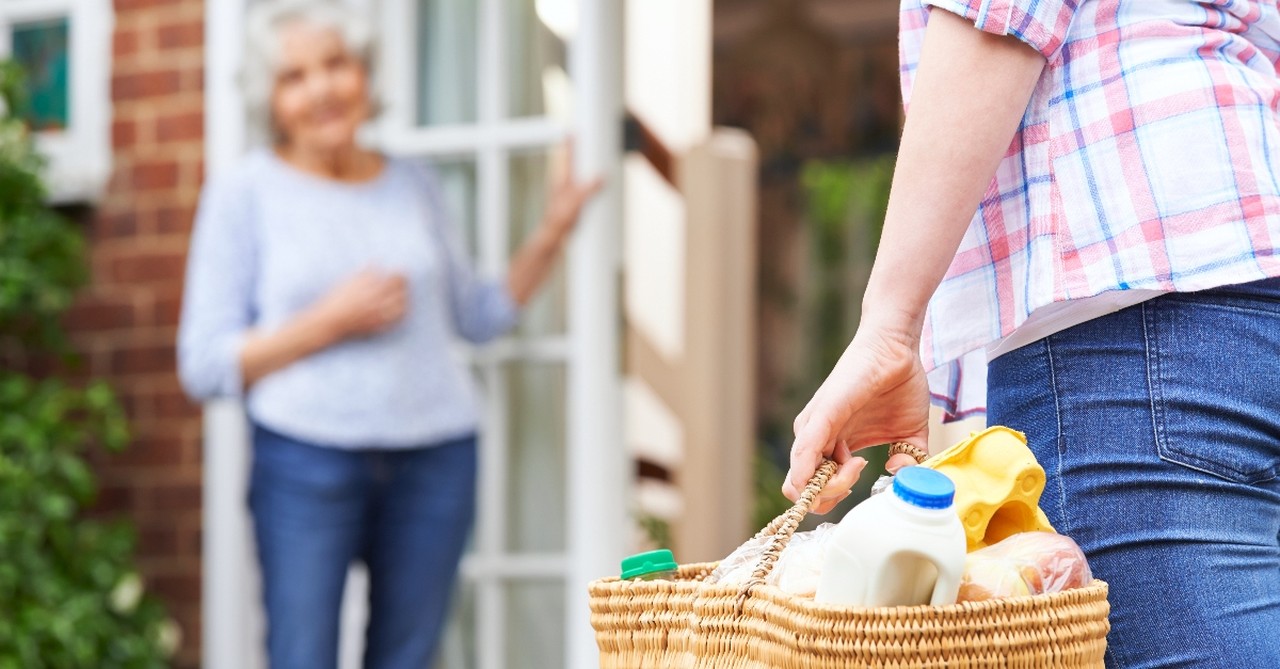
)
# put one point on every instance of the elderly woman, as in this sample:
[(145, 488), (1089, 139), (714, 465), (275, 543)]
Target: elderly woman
[(325, 286)]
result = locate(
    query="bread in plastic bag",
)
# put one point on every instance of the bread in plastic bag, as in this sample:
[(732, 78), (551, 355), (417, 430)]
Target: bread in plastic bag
[(798, 567), (1030, 563)]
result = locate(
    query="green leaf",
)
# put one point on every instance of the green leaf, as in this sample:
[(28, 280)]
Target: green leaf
[(58, 567)]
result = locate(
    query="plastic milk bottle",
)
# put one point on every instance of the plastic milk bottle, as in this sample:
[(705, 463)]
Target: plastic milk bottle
[(906, 547)]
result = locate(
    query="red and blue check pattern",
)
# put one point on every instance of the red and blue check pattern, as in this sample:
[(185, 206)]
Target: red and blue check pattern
[(1148, 158)]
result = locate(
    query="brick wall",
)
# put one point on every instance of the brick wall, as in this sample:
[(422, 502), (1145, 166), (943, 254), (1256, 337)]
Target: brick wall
[(126, 321)]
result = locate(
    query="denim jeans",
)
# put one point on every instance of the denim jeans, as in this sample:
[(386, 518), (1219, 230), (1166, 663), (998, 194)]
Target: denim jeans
[(1159, 429), (405, 513)]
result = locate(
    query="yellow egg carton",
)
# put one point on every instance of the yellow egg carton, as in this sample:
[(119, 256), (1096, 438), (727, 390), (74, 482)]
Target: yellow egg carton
[(998, 485)]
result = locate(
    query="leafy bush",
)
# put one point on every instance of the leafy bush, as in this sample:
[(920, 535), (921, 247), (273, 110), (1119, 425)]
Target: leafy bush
[(69, 596)]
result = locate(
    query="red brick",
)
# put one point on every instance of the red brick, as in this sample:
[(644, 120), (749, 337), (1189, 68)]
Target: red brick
[(124, 43), (155, 175), (175, 404), (113, 499), (124, 134), (125, 5), (185, 587), (133, 404), (145, 84), (168, 309), (121, 224), (158, 541), (100, 314), (179, 35), (148, 267), (144, 359), (150, 454), (180, 127), (175, 219), (175, 497)]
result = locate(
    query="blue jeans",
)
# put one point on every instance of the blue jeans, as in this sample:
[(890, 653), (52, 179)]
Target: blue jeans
[(1159, 429), (405, 513)]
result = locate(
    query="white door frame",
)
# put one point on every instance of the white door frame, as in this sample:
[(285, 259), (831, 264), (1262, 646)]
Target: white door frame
[(599, 467)]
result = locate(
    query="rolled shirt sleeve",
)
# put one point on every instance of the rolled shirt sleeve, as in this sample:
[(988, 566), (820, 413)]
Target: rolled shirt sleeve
[(217, 302), (1042, 24), (482, 307)]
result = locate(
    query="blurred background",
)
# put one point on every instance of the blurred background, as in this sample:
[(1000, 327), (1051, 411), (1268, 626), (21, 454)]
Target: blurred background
[(647, 397)]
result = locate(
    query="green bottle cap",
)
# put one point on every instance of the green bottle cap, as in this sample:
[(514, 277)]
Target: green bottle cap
[(647, 563)]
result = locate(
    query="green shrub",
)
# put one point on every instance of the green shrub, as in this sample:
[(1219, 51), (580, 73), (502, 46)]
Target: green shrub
[(69, 595)]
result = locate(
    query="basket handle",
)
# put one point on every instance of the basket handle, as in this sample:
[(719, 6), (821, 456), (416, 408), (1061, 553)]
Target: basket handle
[(784, 526)]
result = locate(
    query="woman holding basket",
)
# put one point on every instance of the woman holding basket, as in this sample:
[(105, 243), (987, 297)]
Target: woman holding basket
[(1116, 290)]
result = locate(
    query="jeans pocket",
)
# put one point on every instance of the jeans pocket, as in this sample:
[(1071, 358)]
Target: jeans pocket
[(1211, 363)]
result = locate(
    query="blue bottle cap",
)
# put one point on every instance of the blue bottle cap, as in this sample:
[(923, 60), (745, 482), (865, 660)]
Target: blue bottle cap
[(924, 487)]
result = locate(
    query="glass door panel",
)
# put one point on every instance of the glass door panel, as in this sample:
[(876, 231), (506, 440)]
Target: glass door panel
[(536, 467), (535, 624), (535, 56), (447, 61), (529, 177)]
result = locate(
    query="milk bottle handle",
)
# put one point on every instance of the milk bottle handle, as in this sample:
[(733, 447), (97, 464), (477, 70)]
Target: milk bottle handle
[(784, 526)]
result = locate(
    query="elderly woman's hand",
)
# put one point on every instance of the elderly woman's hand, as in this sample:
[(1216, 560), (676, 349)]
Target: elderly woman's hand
[(365, 304), (567, 197), (532, 263)]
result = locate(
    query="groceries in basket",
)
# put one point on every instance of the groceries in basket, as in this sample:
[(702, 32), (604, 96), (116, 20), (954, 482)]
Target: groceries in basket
[(797, 570), (998, 485), (659, 565), (885, 551), (905, 548), (735, 619), (1031, 563)]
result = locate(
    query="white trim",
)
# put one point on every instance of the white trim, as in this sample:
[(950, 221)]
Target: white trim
[(525, 566), (466, 139), (231, 608), (599, 473), (399, 67), (79, 157), (543, 349), (492, 220)]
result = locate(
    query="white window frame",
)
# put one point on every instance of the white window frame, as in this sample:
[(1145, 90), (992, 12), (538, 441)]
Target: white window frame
[(79, 157), (599, 470)]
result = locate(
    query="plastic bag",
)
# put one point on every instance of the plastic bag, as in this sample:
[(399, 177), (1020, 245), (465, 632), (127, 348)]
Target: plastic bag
[(882, 484), (1030, 563), (798, 567)]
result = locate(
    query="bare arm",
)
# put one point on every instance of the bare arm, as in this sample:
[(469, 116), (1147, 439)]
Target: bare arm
[(533, 262), (365, 304), (970, 93), (265, 352)]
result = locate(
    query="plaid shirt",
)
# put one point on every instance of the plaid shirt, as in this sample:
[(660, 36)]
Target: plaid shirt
[(1147, 159)]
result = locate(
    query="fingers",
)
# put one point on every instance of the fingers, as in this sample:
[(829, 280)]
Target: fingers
[(564, 175), (815, 440), (590, 188), (840, 484), (898, 462)]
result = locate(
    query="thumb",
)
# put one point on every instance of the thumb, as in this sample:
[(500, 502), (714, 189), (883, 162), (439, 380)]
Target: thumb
[(813, 442)]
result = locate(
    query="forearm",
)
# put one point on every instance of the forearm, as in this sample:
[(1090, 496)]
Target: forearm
[(970, 93), (533, 262), (266, 352)]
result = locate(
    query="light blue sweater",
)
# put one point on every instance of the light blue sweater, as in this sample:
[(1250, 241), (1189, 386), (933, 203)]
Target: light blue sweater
[(270, 240)]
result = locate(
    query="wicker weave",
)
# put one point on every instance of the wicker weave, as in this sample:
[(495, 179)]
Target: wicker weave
[(688, 624)]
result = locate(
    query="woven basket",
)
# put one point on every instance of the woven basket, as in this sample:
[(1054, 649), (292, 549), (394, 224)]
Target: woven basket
[(686, 623)]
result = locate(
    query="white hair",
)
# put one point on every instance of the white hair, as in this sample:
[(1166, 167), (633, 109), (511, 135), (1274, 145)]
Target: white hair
[(262, 49)]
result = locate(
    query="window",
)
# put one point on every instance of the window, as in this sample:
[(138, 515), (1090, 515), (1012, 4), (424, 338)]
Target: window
[(65, 48)]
